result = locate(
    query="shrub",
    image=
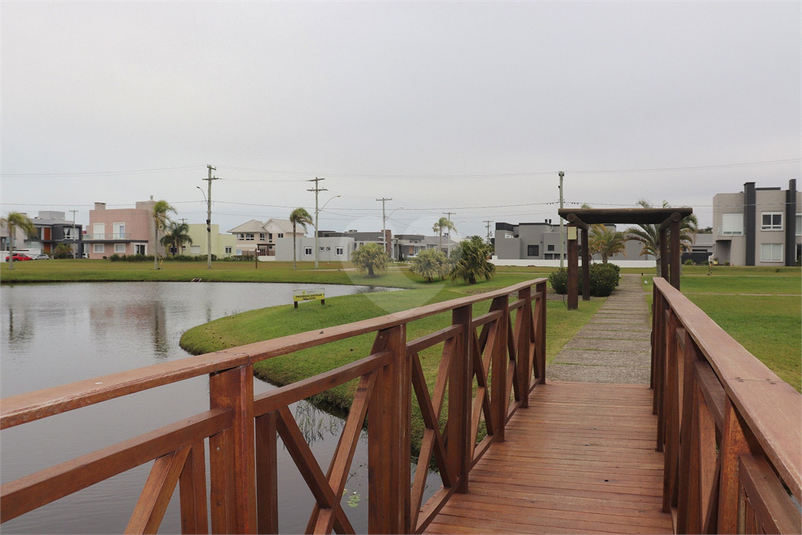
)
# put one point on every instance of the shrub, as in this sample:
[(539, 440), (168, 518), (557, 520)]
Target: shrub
[(688, 262), (603, 280)]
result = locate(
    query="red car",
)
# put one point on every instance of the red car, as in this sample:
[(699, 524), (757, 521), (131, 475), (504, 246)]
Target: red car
[(19, 257)]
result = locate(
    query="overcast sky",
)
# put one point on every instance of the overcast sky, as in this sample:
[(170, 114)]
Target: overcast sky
[(444, 107)]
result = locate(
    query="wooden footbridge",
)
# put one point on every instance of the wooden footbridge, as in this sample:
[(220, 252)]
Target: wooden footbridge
[(712, 445)]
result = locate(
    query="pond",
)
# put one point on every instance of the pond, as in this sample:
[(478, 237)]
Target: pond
[(54, 334)]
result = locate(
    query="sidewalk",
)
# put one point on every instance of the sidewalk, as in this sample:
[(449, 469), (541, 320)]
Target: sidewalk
[(614, 346)]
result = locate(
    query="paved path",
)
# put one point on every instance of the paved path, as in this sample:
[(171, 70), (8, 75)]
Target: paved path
[(614, 346)]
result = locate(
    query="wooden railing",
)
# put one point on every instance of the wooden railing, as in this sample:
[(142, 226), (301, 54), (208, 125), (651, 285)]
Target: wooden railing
[(730, 428), (490, 362)]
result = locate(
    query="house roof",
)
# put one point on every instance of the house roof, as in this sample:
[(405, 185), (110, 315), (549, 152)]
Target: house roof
[(251, 226), (284, 225)]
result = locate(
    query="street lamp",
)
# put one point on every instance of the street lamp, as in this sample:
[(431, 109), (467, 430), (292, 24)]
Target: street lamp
[(317, 211)]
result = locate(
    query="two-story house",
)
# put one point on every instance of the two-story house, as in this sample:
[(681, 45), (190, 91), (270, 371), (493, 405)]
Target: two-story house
[(758, 226), (261, 238), (52, 229), (123, 231)]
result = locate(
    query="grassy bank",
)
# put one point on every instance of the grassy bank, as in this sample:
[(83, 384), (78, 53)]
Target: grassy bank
[(279, 321), (760, 307)]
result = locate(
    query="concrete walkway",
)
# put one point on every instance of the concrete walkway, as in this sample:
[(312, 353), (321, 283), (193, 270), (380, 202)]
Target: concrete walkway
[(614, 346)]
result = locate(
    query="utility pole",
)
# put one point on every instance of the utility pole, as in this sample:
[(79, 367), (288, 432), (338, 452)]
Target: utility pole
[(209, 217), (317, 189), (562, 236), (487, 226), (448, 244), (74, 252), (384, 223)]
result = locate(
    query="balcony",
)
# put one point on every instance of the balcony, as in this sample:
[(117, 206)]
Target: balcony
[(111, 237)]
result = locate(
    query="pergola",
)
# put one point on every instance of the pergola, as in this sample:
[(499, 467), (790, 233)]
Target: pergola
[(668, 220)]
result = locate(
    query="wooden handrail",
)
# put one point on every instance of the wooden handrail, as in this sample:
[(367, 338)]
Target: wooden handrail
[(719, 410), (242, 429)]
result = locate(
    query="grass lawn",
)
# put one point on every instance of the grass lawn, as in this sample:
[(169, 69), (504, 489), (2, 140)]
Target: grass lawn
[(282, 320), (760, 307)]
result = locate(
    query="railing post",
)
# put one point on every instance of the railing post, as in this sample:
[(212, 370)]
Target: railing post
[(233, 389), (541, 307), (498, 368), (458, 431), (267, 473), (733, 444), (389, 437), (688, 493), (524, 319)]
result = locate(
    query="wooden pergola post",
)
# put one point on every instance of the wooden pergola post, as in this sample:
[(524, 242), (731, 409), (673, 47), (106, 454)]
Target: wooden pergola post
[(573, 268), (585, 265), (670, 254)]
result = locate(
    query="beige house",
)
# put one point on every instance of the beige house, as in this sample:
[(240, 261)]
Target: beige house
[(223, 245), (256, 237)]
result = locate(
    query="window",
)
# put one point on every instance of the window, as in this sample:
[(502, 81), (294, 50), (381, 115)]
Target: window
[(508, 236), (269, 236), (532, 250), (99, 231), (119, 248), (339, 251), (262, 236), (549, 247), (249, 236), (732, 224), (240, 236), (799, 225), (771, 252), (308, 251), (228, 250), (141, 248), (194, 249), (98, 248), (280, 234), (772, 221), (119, 231)]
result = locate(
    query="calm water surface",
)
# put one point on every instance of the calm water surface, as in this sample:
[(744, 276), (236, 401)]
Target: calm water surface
[(53, 334)]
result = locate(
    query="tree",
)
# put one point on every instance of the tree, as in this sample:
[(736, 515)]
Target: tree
[(649, 235), (62, 250), (177, 235), (161, 219), (472, 261), (301, 217), (605, 241), (370, 258), (443, 224), (430, 263), (14, 221)]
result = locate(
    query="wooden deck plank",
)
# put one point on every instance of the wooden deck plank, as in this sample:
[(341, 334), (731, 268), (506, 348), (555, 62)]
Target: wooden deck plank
[(580, 459)]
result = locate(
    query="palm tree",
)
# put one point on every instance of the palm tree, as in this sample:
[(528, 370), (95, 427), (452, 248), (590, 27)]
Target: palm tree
[(177, 235), (472, 263), (160, 222), (430, 263), (301, 217), (14, 221), (443, 224), (605, 241), (649, 235), (370, 258)]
